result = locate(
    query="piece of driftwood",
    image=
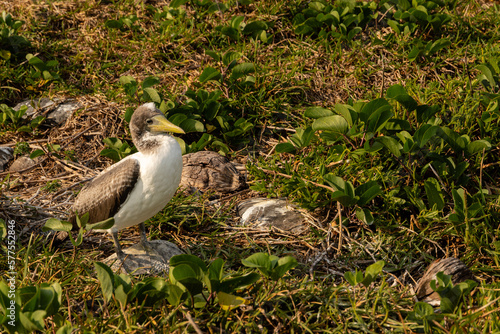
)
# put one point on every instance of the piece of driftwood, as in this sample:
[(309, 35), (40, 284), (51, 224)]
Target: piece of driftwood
[(450, 266), (139, 261), (206, 170)]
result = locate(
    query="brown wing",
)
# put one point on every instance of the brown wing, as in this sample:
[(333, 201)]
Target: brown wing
[(104, 195)]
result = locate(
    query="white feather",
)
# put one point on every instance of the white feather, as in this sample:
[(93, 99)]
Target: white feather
[(160, 175)]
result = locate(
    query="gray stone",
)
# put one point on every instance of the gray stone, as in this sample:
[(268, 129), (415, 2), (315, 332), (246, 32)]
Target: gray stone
[(139, 261), (34, 105), (21, 163), (64, 111), (6, 155), (265, 213), (57, 110)]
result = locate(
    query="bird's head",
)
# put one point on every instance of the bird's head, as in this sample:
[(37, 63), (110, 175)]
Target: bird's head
[(148, 122)]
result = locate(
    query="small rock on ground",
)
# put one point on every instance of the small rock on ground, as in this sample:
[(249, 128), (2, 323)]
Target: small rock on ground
[(62, 109), (278, 213), (139, 261), (21, 163)]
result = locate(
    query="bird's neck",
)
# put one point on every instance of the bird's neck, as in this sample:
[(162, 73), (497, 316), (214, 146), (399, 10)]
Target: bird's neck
[(151, 144)]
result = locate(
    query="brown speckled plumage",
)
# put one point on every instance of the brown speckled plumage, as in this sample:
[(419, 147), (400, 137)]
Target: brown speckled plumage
[(104, 195)]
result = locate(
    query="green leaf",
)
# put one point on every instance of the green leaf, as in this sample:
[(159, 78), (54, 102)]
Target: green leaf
[(398, 93), (391, 144), (236, 22), (284, 264), (105, 276), (214, 54), (364, 215), (129, 85), (367, 192), (235, 283), (425, 133), (353, 32), (254, 26), (230, 32), (54, 224), (334, 181), (187, 275), (371, 272), (415, 52), (487, 72), (371, 107), (478, 146), (425, 112), (229, 58), (110, 153), (103, 225), (348, 112), (195, 262), (36, 62), (66, 329), (210, 73), (151, 94), (128, 114), (376, 121), (242, 70), (434, 193), (317, 112), (121, 296), (177, 3), (113, 24), (285, 148), (127, 79), (302, 137), (333, 123), (257, 260), (150, 81), (228, 301), (192, 125), (175, 295), (354, 278), (438, 45)]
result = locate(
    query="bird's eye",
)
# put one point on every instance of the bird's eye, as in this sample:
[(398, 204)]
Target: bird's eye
[(149, 121)]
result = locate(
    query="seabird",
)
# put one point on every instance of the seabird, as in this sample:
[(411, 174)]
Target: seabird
[(139, 186)]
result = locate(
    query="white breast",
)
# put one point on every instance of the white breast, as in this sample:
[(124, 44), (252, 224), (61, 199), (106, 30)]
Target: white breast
[(160, 175)]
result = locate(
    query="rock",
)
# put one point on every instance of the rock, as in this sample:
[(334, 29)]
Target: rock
[(6, 155), (206, 170), (266, 213), (139, 261), (450, 266), (57, 110), (63, 112), (34, 105), (21, 163)]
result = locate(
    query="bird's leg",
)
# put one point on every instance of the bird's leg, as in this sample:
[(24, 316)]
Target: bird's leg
[(146, 245), (118, 249), (144, 238)]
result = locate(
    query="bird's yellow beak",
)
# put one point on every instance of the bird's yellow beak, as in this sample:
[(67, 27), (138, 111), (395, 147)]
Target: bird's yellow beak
[(161, 124)]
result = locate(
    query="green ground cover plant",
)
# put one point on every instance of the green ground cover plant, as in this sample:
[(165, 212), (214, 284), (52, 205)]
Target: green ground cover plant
[(378, 118)]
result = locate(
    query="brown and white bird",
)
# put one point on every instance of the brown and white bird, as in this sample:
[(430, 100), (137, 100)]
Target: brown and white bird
[(139, 186)]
